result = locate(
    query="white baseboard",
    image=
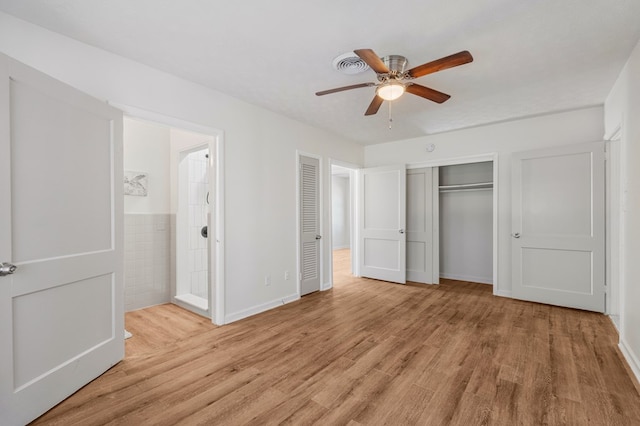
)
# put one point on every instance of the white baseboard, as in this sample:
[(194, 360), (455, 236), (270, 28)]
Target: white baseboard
[(631, 358), (481, 280), (325, 286), (237, 316)]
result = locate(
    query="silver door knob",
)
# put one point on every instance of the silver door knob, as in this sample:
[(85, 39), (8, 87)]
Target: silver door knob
[(7, 269), (516, 235), (318, 237), (401, 231)]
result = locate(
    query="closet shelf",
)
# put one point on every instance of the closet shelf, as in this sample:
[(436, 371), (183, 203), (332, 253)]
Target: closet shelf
[(467, 186)]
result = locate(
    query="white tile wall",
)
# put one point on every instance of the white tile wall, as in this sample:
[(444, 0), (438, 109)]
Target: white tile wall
[(197, 256), (147, 260)]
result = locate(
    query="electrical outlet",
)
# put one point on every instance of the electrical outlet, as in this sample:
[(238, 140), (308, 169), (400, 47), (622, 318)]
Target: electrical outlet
[(286, 275), (267, 280)]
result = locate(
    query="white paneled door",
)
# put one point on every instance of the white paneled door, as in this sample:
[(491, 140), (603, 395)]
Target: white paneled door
[(382, 211), (558, 226), (420, 209), (309, 183), (61, 310)]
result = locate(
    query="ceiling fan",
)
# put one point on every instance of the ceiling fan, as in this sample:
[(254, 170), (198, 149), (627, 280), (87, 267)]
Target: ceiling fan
[(394, 80)]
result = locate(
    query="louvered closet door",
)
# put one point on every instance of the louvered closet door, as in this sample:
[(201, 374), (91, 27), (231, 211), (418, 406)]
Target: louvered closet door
[(310, 225)]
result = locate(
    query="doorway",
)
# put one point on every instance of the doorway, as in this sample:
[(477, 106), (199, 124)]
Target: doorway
[(343, 226), (176, 266)]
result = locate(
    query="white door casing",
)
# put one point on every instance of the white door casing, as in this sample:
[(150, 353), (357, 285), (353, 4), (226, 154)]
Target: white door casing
[(382, 216), (420, 225), (309, 186), (61, 312), (558, 226)]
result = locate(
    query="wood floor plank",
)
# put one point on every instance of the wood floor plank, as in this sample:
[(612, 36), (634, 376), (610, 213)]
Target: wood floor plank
[(366, 352)]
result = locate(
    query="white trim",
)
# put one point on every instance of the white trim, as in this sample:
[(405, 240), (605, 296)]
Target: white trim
[(453, 161), (630, 357), (493, 157), (435, 225), (615, 134), (468, 278), (503, 293), (320, 215), (263, 307), (219, 136)]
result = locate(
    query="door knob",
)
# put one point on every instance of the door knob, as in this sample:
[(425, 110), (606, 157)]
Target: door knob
[(318, 237), (7, 269), (204, 231), (516, 235)]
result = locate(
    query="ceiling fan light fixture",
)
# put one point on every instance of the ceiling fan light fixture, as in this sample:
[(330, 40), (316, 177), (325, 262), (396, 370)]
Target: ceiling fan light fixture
[(391, 90)]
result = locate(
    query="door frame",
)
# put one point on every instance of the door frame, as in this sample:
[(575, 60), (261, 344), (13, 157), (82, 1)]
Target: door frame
[(321, 216), (493, 157), (614, 224), (353, 217), (217, 258)]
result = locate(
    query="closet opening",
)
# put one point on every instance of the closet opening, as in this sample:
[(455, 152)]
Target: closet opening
[(465, 211), (451, 221)]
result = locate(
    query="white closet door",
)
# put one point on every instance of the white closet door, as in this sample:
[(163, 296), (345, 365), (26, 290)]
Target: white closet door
[(382, 197), (309, 225), (61, 311), (558, 226), (420, 225)]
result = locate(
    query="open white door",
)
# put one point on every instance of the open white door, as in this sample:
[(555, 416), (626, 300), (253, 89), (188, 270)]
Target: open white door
[(558, 226), (382, 211), (309, 181), (420, 212), (61, 311)]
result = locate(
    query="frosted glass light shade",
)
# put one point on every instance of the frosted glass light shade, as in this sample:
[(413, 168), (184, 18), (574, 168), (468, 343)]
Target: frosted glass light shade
[(390, 91)]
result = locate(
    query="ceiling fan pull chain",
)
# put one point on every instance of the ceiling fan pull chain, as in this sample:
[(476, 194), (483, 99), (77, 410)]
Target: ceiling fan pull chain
[(390, 119)]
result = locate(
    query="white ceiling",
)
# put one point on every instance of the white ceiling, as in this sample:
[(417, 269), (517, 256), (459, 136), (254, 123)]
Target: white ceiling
[(531, 56)]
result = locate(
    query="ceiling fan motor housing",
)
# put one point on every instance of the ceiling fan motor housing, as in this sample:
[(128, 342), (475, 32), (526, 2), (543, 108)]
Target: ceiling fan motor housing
[(397, 64)]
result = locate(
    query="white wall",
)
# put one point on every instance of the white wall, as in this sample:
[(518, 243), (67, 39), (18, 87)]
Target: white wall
[(260, 154), (622, 108), (340, 203), (146, 149), (565, 128)]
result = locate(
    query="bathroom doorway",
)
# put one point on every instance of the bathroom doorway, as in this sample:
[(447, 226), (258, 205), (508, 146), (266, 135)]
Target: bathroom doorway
[(174, 233)]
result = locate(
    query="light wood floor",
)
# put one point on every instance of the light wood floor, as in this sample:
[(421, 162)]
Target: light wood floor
[(367, 352)]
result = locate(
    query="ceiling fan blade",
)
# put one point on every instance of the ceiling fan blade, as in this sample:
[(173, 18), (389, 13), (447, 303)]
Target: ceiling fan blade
[(374, 106), (427, 93), (450, 61), (340, 89), (373, 60)]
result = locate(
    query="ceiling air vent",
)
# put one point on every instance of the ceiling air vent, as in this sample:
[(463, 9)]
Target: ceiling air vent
[(350, 63)]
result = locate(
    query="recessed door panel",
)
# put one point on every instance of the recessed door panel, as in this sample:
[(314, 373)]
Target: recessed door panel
[(567, 271), (61, 334), (556, 194), (65, 171)]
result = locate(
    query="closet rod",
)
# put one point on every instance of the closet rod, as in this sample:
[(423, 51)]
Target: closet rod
[(481, 185), (443, 191)]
